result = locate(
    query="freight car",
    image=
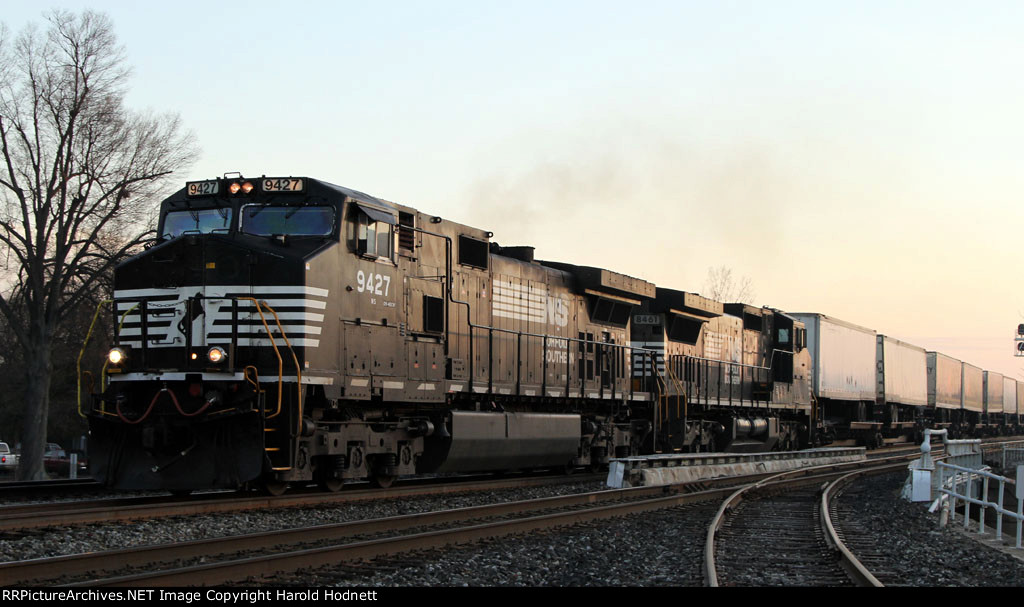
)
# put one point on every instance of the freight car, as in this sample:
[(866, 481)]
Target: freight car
[(945, 387), (844, 367)]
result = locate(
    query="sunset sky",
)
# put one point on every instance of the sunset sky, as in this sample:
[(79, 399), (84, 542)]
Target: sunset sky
[(858, 159)]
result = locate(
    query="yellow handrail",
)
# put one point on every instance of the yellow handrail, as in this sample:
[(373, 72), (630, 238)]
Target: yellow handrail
[(78, 363), (295, 359), (106, 361), (280, 361), (680, 389), (88, 336)]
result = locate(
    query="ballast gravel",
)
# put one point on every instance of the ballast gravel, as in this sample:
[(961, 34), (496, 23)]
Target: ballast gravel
[(656, 549), (666, 549), (108, 536)]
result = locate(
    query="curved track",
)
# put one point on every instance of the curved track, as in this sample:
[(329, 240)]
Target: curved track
[(779, 532)]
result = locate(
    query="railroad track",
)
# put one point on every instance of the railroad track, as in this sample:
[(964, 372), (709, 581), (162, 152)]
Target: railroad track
[(22, 489), (14, 518), (780, 532), (264, 555)]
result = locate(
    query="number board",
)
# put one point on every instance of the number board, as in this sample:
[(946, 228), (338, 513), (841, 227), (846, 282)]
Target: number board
[(282, 185), (202, 188)]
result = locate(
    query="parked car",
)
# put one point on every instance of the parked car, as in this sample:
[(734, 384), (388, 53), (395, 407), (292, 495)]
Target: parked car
[(8, 459), (55, 460)]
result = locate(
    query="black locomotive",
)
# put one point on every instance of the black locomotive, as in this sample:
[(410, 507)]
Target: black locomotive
[(287, 330)]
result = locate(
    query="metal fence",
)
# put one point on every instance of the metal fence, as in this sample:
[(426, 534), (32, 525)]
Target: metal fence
[(924, 483), (1013, 454), (958, 483)]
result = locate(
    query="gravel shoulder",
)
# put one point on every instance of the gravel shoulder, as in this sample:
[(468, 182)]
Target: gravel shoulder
[(59, 541), (657, 549)]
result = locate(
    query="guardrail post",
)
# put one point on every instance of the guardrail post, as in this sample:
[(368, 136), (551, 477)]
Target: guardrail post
[(952, 500), (999, 519), (1019, 491), (984, 500), (967, 503)]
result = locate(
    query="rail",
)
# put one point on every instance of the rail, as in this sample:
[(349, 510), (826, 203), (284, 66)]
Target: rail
[(952, 477), (850, 563), (924, 486), (789, 480), (1012, 455), (726, 382), (614, 355)]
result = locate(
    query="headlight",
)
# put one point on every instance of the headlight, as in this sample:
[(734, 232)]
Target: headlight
[(116, 356), (216, 355)]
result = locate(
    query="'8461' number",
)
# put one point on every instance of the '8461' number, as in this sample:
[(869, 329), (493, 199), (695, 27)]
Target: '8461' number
[(377, 284)]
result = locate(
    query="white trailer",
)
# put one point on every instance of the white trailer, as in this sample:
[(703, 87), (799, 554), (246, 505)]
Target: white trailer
[(844, 358), (945, 381), (902, 373), (974, 389)]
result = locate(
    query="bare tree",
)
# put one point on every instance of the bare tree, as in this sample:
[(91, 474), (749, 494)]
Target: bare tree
[(79, 174), (721, 286)]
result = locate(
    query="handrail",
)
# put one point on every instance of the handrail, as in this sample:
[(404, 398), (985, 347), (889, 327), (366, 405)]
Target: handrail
[(280, 361), (88, 336), (680, 391), (295, 359), (78, 362), (491, 330), (266, 327), (120, 325)]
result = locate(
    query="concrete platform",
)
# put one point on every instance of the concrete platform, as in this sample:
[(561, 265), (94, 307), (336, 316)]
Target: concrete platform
[(668, 469)]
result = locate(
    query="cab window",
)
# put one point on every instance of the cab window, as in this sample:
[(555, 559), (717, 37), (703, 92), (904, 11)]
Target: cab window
[(288, 220), (196, 221), (370, 236)]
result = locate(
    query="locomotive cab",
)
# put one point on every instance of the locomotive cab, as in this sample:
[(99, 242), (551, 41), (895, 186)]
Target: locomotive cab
[(213, 321)]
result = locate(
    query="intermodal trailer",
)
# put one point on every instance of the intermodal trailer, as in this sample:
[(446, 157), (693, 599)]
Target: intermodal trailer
[(844, 358), (902, 373), (1020, 401), (993, 398), (973, 399), (843, 377), (945, 385), (1009, 400)]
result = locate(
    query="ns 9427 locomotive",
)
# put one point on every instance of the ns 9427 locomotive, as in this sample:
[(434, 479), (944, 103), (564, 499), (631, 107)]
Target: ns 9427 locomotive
[(287, 330)]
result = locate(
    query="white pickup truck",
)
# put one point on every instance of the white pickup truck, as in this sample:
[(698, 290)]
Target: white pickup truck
[(8, 460)]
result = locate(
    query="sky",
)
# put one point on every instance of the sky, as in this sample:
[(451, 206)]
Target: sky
[(857, 159)]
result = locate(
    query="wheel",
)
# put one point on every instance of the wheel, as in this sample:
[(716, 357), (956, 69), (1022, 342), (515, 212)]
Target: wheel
[(274, 487), (382, 480), (569, 469), (331, 484)]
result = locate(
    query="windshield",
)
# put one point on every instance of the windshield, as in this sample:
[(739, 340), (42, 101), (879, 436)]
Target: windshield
[(202, 221), (298, 221)]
